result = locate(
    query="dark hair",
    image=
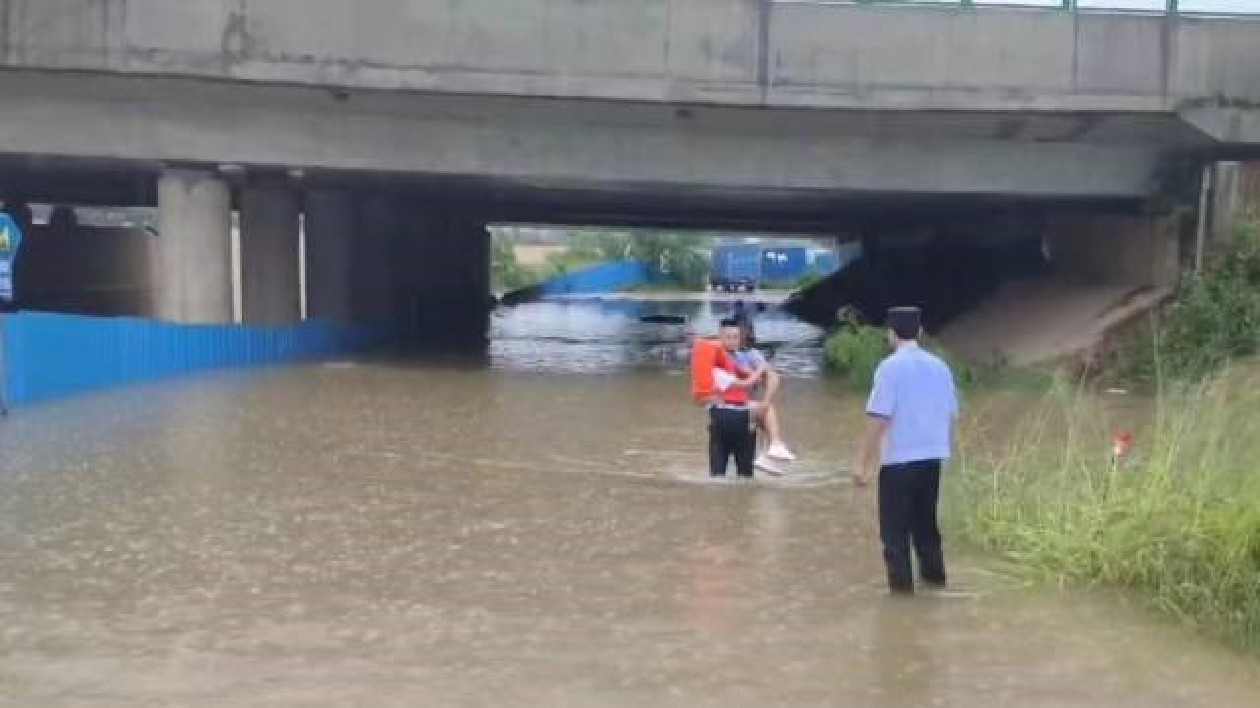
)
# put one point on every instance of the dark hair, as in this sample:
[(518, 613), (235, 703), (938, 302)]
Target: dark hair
[(905, 322), (905, 333), (729, 322)]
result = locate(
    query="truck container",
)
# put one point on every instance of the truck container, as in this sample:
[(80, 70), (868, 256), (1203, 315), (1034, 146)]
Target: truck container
[(826, 262), (736, 267), (783, 264)]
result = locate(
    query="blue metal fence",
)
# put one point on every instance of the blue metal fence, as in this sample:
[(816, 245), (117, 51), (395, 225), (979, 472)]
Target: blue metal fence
[(50, 355), (603, 278)]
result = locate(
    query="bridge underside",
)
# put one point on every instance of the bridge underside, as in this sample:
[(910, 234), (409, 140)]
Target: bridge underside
[(563, 143), (91, 182), (392, 190)]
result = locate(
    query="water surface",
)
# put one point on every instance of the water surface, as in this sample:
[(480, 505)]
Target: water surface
[(401, 535)]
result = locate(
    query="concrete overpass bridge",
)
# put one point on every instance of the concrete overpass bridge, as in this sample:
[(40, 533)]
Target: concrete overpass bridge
[(393, 129)]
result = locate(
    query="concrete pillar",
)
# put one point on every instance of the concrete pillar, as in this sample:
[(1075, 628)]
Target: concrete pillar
[(1226, 201), (63, 222), (451, 283), (423, 272), (410, 252), (373, 265), (270, 280), (192, 269), (1251, 189), (330, 232)]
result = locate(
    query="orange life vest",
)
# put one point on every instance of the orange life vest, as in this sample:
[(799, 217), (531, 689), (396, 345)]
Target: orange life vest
[(707, 355)]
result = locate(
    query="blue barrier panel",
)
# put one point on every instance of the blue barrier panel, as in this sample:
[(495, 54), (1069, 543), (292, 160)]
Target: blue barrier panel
[(603, 278), (48, 355)]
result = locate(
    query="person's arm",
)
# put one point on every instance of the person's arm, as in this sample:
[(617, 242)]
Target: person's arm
[(762, 370), (748, 379), (773, 382), (758, 374), (879, 412), (724, 380), (869, 450), (955, 411)]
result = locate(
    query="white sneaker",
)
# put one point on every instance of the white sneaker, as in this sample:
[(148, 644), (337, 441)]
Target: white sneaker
[(765, 464), (779, 451)]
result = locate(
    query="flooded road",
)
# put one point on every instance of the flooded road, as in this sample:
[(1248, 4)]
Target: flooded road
[(602, 335), (402, 535)]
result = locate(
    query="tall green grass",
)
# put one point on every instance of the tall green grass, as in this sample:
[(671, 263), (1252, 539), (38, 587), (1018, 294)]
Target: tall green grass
[(855, 350), (1213, 319), (1178, 520)]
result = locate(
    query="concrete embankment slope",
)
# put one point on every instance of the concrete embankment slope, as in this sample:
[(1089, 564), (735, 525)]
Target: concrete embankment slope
[(1043, 321)]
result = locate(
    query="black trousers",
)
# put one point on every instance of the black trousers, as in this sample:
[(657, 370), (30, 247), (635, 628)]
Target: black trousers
[(731, 434), (908, 495)]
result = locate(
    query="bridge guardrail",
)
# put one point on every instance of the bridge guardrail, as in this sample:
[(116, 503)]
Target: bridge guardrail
[(1240, 8)]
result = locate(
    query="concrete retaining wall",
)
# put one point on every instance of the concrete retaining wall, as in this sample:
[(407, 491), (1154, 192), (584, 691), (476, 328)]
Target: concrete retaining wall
[(1250, 189), (86, 270), (1130, 251)]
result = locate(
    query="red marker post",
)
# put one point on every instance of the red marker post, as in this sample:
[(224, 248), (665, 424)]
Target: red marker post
[(1121, 445)]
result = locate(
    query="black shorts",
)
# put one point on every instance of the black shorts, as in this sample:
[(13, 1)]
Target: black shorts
[(731, 434)]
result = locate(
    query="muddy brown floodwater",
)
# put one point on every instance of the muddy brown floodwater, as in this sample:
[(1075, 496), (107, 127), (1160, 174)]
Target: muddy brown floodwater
[(391, 535)]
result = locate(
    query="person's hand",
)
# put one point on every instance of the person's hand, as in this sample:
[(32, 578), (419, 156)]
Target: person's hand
[(864, 475)]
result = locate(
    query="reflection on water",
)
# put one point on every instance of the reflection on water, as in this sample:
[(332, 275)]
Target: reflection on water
[(386, 535), (598, 336)]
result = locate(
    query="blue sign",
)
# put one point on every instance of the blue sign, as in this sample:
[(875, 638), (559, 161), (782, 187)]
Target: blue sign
[(10, 242)]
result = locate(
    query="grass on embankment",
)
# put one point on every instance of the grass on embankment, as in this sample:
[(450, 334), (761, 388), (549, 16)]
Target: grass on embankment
[(1178, 520)]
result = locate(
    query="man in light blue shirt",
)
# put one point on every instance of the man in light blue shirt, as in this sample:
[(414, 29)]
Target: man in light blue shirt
[(911, 414)]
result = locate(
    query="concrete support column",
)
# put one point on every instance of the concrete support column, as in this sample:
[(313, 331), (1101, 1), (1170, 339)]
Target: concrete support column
[(451, 283), (270, 281), (63, 223), (192, 268), (330, 234), (1227, 202), (373, 265)]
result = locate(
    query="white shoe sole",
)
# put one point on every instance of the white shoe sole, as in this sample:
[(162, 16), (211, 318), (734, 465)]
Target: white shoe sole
[(769, 468)]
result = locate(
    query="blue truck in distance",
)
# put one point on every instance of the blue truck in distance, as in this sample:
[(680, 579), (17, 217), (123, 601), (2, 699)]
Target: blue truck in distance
[(736, 267), (781, 265), (744, 267)]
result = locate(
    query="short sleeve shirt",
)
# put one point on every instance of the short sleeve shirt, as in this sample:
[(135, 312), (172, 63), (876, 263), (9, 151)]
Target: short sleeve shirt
[(749, 359), (914, 390)]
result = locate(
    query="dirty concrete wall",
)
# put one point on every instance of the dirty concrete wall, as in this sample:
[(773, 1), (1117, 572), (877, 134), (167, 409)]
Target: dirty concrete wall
[(643, 49), (1235, 195), (181, 121), (467, 89), (1249, 189), (997, 101), (741, 51), (85, 270), (1114, 250)]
